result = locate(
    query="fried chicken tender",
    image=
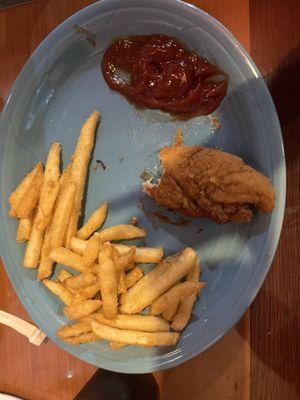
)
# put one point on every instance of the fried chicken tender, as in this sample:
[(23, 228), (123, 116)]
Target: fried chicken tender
[(204, 182)]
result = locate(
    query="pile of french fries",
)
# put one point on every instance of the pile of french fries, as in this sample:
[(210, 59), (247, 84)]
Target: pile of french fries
[(107, 294)]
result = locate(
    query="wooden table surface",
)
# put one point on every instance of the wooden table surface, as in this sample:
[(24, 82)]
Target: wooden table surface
[(259, 358)]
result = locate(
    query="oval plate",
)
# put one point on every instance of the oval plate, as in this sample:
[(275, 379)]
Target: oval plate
[(61, 84)]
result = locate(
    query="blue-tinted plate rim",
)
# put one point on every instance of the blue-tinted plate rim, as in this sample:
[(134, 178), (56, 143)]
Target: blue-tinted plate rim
[(131, 366)]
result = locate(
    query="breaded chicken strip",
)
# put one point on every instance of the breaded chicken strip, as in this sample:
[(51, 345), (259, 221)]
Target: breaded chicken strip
[(204, 182)]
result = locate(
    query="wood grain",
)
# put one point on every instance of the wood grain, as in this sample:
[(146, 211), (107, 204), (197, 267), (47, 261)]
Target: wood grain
[(275, 314)]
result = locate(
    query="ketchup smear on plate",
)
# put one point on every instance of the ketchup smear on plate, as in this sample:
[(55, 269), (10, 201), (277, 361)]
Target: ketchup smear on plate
[(158, 72)]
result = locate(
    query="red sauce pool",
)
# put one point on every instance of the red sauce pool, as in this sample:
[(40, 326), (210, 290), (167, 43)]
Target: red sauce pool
[(157, 72)]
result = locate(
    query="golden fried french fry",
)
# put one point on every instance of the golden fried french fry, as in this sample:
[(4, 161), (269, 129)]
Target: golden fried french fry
[(133, 276), (63, 275), (121, 232), (134, 337), (65, 176), (148, 254), (122, 248), (95, 269), (116, 345), (86, 293), (144, 323), (79, 310), (30, 188), (67, 257), (142, 254), (124, 261), (45, 268), (130, 266), (80, 162), (171, 311), (33, 248), (78, 245), (95, 221), (84, 338), (154, 274), (49, 188), (73, 330), (81, 281), (108, 282), (23, 186), (173, 295), (62, 213), (178, 266), (59, 290), (91, 252), (31, 198), (186, 306), (24, 228), (122, 289)]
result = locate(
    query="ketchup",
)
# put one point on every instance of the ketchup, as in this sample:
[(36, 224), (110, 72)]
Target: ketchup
[(157, 72)]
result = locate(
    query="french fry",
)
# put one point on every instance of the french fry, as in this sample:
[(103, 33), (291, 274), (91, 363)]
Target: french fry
[(33, 248), (108, 282), (154, 274), (121, 232), (84, 338), (171, 311), (148, 254), (17, 195), (80, 162), (116, 345), (133, 276), (122, 262), (24, 228), (144, 323), (86, 293), (29, 188), (186, 306), (63, 275), (81, 281), (95, 269), (31, 197), (73, 330), (62, 214), (49, 188), (178, 266), (79, 310), (121, 285), (45, 268), (65, 176), (67, 257), (78, 245), (142, 254), (91, 252), (95, 221), (134, 337), (174, 295), (59, 290)]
